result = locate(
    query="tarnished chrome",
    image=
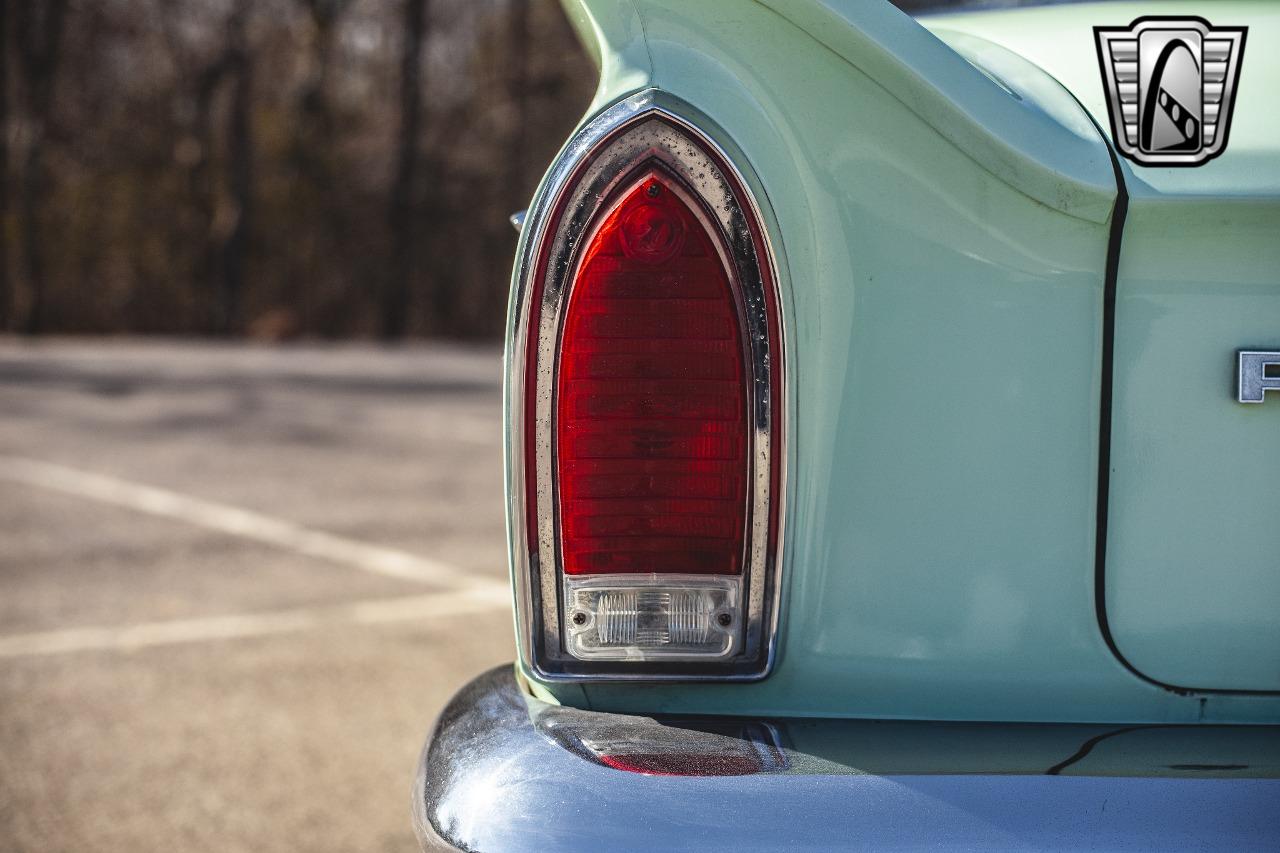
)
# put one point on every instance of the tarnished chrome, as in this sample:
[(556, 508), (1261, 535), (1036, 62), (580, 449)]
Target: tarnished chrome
[(650, 126), (517, 220), (1171, 87), (504, 771), (1252, 381)]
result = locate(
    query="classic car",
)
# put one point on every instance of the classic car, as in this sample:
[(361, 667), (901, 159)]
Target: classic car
[(892, 417)]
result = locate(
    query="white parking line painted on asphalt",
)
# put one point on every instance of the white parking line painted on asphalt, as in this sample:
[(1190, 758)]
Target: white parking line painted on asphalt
[(232, 520), (480, 598)]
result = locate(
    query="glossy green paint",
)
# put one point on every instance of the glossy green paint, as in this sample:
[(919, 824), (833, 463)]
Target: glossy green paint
[(1193, 564), (942, 243)]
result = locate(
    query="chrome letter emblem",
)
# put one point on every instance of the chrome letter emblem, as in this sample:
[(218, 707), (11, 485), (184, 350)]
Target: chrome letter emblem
[(1171, 84), (1252, 377)]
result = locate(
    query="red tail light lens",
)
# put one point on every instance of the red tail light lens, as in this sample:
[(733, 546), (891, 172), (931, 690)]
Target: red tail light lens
[(651, 413)]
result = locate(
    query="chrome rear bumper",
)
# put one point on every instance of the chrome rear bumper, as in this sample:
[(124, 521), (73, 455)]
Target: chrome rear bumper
[(504, 771)]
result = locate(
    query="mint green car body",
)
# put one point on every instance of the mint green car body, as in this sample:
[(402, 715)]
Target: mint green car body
[(941, 197)]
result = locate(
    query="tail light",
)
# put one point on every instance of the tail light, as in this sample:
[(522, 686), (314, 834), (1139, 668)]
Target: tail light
[(645, 407)]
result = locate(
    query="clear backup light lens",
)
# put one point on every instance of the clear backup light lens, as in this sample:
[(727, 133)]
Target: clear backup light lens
[(653, 617)]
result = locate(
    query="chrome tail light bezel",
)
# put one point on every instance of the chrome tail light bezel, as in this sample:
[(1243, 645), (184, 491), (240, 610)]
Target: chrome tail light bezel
[(605, 154)]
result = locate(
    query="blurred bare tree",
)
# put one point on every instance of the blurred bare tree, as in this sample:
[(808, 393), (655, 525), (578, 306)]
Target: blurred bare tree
[(395, 296), (275, 168), (39, 28)]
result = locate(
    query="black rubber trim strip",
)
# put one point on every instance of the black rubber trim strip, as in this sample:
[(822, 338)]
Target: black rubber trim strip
[(1118, 215)]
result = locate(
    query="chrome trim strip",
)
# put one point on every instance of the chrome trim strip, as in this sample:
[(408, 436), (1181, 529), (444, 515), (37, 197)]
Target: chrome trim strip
[(608, 151)]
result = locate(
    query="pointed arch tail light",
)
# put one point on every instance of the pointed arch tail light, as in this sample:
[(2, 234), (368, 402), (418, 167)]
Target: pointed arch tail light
[(645, 400)]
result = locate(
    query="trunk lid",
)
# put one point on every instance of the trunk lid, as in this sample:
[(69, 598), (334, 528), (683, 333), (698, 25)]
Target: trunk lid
[(1191, 581)]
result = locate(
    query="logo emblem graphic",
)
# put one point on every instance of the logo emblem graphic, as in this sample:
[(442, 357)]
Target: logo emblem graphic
[(1171, 83)]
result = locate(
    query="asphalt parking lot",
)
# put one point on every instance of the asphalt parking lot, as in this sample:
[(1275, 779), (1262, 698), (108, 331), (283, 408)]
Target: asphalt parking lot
[(236, 586)]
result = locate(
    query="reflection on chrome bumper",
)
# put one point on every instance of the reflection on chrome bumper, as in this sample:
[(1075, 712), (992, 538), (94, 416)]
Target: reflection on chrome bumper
[(504, 771)]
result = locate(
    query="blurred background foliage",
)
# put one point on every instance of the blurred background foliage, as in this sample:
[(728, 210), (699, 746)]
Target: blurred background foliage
[(275, 168)]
